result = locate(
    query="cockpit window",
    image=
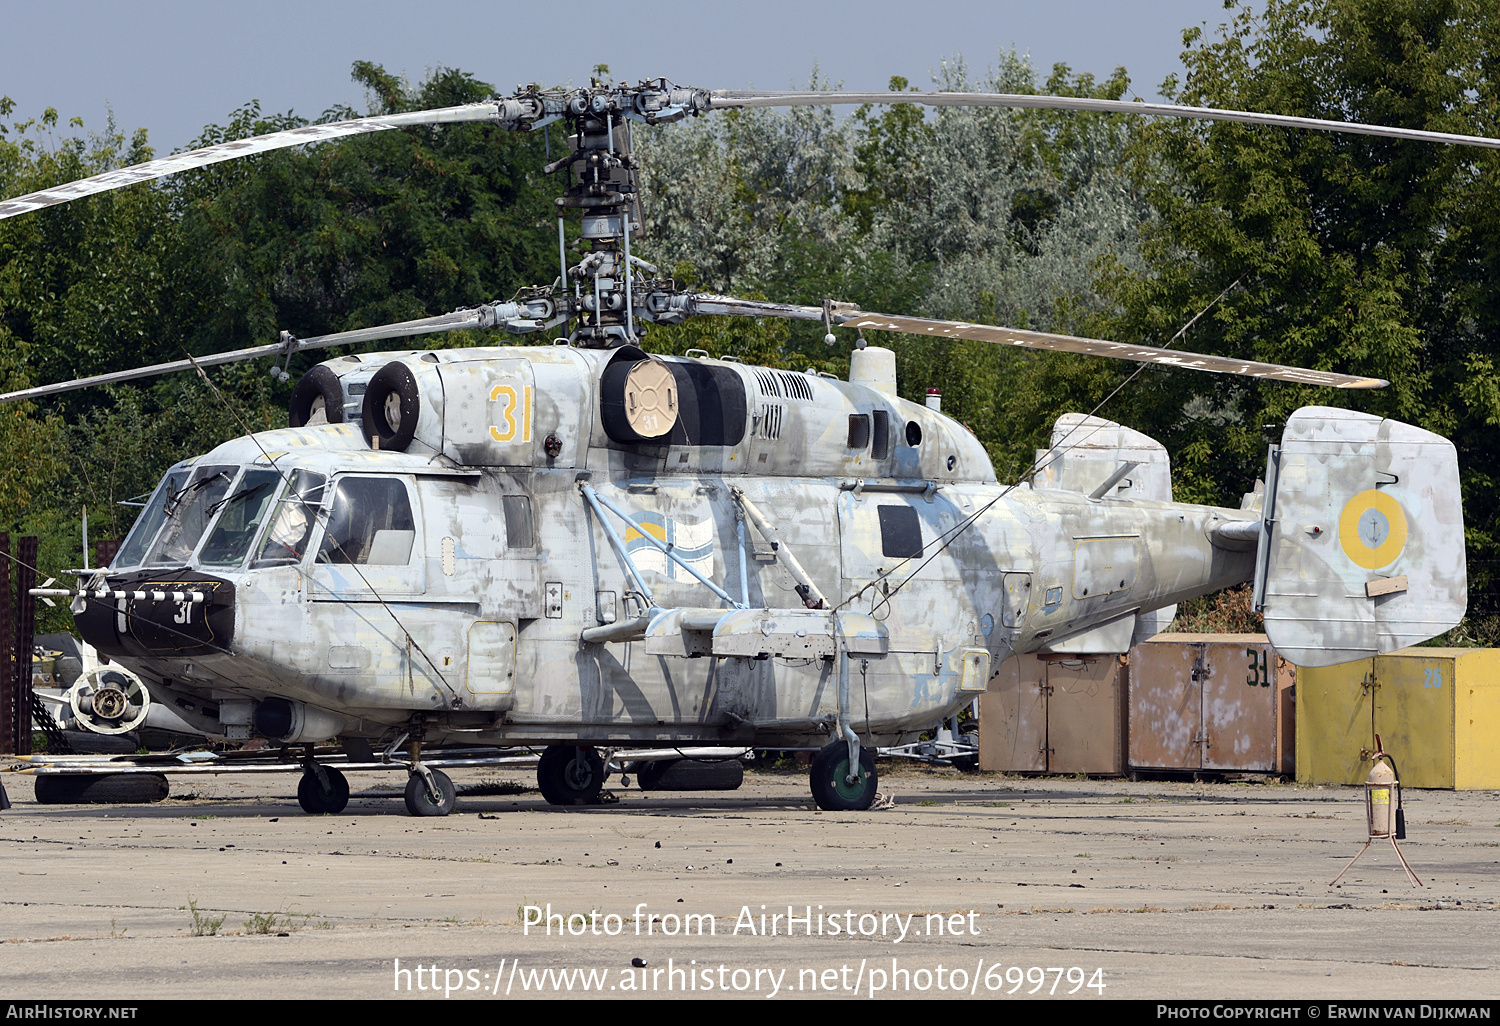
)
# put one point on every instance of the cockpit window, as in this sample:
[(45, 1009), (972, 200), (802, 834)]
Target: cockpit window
[(286, 541), (148, 524), (240, 515), (371, 523), (187, 513)]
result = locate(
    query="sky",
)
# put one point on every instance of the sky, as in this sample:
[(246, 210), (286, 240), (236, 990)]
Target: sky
[(172, 67)]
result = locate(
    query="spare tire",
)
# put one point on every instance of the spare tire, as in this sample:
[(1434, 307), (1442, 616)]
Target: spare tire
[(86, 742), (101, 789), (391, 394), (318, 389)]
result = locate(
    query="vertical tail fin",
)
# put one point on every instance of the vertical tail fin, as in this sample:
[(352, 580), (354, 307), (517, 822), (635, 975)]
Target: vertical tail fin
[(1362, 545)]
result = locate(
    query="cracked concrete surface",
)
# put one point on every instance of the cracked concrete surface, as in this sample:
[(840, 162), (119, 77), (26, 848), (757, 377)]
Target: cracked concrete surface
[(1173, 890)]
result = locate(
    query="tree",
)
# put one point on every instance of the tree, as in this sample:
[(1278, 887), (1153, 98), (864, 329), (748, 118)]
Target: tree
[(1354, 253)]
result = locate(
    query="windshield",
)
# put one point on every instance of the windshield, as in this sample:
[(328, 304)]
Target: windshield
[(148, 524), (187, 513), (286, 541), (239, 518)]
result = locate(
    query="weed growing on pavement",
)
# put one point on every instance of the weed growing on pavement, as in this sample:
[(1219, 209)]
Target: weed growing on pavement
[(204, 925)]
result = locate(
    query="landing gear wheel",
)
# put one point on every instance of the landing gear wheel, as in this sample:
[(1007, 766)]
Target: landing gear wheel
[(570, 775), (420, 803), (314, 799), (831, 791)]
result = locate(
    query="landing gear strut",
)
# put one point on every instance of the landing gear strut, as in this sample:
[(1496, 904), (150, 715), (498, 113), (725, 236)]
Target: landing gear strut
[(429, 792)]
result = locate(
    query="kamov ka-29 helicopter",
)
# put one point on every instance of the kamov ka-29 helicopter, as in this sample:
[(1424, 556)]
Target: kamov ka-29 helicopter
[(583, 545)]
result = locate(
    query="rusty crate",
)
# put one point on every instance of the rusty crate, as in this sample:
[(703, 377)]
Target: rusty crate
[(1220, 703), (1054, 714)]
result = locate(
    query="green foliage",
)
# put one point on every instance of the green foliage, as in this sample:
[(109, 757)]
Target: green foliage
[(1356, 254), (1347, 252), (203, 924)]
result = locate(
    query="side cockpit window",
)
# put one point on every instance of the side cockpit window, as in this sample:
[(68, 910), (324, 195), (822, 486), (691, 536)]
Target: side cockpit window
[(370, 523), (148, 525), (292, 525)]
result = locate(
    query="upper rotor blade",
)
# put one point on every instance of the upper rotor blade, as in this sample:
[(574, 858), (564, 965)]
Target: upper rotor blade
[(426, 325), (154, 169), (709, 304), (724, 98)]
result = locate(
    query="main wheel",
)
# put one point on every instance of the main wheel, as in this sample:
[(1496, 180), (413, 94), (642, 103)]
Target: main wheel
[(570, 775), (831, 791), (314, 799), (420, 803)]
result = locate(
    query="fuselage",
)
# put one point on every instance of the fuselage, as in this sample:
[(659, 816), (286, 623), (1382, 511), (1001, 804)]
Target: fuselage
[(466, 583)]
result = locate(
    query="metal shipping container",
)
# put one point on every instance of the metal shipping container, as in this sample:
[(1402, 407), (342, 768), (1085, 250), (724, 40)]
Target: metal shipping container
[(1210, 702), (1054, 714), (1437, 711)]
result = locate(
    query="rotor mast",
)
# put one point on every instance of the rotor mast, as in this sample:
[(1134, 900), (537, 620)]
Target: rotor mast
[(598, 287)]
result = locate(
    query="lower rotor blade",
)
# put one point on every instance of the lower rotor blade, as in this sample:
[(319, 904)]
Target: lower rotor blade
[(711, 304), (426, 325), (1113, 350)]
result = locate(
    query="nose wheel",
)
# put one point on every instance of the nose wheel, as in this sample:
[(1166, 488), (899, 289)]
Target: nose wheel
[(322, 789), (570, 775), (434, 797), (837, 789)]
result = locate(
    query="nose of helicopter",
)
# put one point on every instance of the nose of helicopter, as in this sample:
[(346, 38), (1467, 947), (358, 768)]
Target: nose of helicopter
[(147, 613)]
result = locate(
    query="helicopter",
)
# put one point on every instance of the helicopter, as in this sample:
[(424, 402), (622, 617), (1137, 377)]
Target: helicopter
[(582, 545)]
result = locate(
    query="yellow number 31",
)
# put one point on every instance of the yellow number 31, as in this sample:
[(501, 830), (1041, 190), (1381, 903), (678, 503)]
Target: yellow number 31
[(505, 428)]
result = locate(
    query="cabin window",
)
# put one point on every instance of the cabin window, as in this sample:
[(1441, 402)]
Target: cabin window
[(133, 552), (297, 512), (900, 532), (518, 533), (370, 523), (913, 433), (880, 435), (859, 430)]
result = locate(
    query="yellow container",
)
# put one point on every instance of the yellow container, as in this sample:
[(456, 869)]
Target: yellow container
[(1437, 711)]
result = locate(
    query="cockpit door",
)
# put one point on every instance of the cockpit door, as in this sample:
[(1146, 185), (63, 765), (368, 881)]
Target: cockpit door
[(370, 548)]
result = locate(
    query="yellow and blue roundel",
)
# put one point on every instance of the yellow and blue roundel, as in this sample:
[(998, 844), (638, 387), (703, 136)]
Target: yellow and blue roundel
[(1372, 529)]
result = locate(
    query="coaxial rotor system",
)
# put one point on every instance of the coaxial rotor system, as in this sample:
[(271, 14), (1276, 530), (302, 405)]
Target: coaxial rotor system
[(604, 292)]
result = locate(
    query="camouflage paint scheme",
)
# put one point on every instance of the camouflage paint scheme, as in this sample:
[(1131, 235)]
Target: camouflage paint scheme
[(485, 638)]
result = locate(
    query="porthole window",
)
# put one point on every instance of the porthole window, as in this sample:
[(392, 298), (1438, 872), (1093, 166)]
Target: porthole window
[(913, 433)]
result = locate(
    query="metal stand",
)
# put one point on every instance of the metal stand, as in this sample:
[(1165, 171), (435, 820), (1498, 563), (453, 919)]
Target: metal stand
[(1409, 874)]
